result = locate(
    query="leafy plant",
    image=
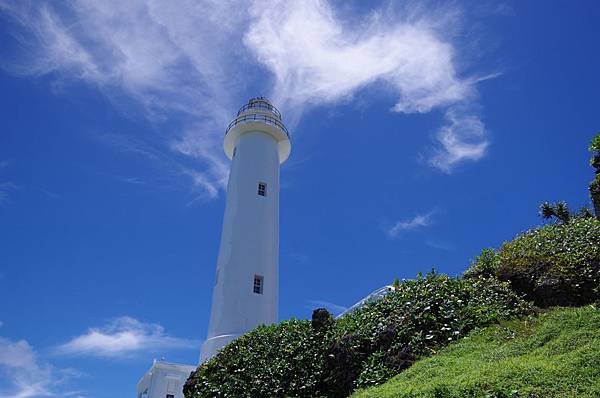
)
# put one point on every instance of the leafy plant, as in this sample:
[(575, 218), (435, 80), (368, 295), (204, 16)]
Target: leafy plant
[(595, 144), (486, 264), (331, 358), (594, 187), (387, 335), (281, 360), (560, 211), (584, 212), (557, 264)]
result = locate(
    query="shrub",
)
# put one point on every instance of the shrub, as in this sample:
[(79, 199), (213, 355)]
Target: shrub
[(594, 187), (280, 360), (556, 264), (485, 265), (331, 358), (415, 320), (595, 144)]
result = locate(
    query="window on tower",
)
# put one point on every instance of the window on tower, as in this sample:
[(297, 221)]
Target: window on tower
[(170, 395), (262, 189), (258, 284)]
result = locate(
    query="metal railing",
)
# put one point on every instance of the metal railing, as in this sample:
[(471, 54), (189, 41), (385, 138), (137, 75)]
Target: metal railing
[(257, 118), (260, 104)]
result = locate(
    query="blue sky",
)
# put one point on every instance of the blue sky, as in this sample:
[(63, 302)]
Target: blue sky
[(421, 134)]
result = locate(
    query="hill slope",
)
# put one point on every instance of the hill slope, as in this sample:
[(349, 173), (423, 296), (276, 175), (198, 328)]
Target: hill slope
[(554, 355)]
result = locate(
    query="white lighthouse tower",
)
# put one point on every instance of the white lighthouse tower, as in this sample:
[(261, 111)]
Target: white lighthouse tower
[(247, 277)]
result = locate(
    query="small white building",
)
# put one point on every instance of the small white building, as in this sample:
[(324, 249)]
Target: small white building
[(164, 380)]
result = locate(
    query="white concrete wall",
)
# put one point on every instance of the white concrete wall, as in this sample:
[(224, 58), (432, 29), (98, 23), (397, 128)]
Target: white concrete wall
[(163, 379), (249, 244)]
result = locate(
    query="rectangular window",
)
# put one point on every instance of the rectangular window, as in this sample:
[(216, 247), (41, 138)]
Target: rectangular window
[(170, 396), (258, 284), (262, 189)]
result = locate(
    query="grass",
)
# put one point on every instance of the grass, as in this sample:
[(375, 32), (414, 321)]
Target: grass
[(556, 354)]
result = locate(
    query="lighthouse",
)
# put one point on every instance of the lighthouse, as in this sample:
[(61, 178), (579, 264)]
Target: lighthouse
[(246, 288)]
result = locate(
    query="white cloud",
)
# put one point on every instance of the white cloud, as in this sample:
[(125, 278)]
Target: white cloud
[(188, 69), (172, 61), (26, 375), (318, 58), (463, 138), (419, 221), (123, 337)]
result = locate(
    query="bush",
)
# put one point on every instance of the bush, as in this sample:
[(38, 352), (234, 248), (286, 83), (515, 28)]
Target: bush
[(366, 347), (485, 265), (556, 264), (280, 360), (415, 320)]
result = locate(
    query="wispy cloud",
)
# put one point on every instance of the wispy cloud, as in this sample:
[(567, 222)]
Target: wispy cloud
[(5, 186), (5, 189), (26, 375), (417, 222), (317, 57), (123, 337), (440, 244), (406, 50), (174, 165), (187, 70), (131, 180), (141, 54), (463, 138)]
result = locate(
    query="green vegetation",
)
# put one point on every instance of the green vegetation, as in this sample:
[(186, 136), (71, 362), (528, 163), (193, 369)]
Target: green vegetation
[(560, 211), (327, 358), (594, 187), (420, 316), (552, 356), (284, 359), (558, 264), (595, 144)]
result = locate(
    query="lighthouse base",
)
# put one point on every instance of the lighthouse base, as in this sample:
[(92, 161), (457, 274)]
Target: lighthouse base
[(212, 345)]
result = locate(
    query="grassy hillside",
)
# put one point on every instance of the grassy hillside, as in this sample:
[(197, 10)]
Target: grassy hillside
[(554, 355)]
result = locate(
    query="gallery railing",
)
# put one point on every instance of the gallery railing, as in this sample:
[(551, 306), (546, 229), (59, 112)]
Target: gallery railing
[(257, 118), (260, 104)]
